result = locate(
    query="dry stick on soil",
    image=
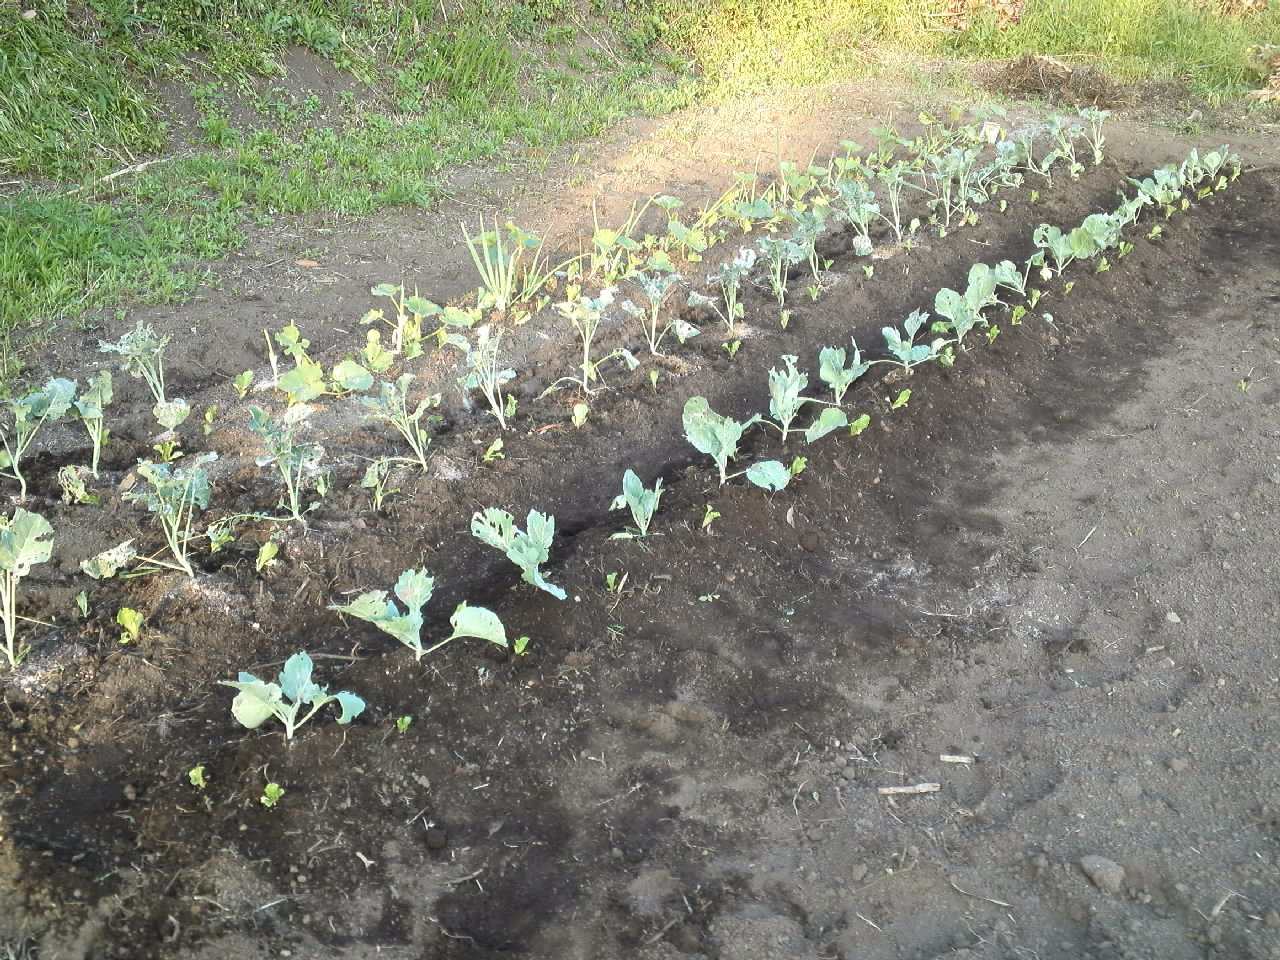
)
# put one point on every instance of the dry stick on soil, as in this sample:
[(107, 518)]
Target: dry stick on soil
[(978, 896), (914, 788), (132, 168)]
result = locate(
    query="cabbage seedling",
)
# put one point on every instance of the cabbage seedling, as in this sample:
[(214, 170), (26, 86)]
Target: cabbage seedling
[(414, 590), (856, 201), (831, 418), (143, 354), (90, 410), (1094, 118), (657, 287), (25, 539), (835, 374), (528, 549), (292, 460), (375, 480), (729, 277), (586, 315), (486, 373), (785, 387), (907, 353), (175, 497), (718, 438), (641, 501), (258, 700), (29, 415), (392, 406), (780, 254), (893, 179)]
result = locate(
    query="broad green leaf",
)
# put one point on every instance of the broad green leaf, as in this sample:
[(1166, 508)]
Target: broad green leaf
[(108, 563), (375, 607), (295, 679), (859, 424), (352, 376), (769, 474), (415, 588), (386, 290), (541, 528), (304, 382), (352, 706), (22, 542), (256, 701), (97, 396), (494, 527), (534, 576), (421, 307), (172, 413), (54, 400), (479, 623), (831, 418)]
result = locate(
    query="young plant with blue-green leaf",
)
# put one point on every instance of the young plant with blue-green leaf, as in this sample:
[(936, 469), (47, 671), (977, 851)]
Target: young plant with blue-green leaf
[(259, 700), (25, 539), (718, 437), (30, 413), (414, 590), (642, 502), (528, 549), (175, 498)]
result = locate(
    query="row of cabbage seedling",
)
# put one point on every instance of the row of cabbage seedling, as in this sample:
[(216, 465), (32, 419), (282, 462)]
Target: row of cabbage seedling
[(804, 198), (718, 436), (26, 538), (943, 163)]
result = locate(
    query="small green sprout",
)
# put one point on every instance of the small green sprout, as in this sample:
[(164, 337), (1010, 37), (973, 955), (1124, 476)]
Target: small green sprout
[(493, 452), (580, 413), (708, 516), (243, 382), (168, 450), (402, 724), (266, 556), (900, 400), (130, 622), (271, 795), (197, 778)]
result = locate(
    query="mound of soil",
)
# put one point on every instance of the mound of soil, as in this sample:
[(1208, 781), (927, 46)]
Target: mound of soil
[(1046, 585)]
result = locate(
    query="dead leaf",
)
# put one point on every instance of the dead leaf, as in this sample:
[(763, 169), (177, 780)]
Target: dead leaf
[(306, 263)]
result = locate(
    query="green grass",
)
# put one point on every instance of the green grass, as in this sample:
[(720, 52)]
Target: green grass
[(450, 95), (1135, 39), (62, 255)]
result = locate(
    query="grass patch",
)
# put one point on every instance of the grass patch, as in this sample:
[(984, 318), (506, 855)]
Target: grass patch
[(448, 94), (754, 44), (62, 255), (1135, 39)]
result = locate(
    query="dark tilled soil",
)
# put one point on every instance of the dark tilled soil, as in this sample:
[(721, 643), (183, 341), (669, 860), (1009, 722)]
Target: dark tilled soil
[(1047, 585)]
